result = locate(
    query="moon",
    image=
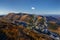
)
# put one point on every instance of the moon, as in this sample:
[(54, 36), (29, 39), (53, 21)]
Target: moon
[(33, 8)]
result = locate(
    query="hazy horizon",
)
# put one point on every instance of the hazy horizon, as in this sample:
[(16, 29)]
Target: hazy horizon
[(41, 7)]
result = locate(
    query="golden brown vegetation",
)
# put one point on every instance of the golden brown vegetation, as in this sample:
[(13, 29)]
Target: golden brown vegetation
[(14, 32)]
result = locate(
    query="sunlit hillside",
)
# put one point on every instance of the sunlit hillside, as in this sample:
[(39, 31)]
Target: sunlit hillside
[(25, 27)]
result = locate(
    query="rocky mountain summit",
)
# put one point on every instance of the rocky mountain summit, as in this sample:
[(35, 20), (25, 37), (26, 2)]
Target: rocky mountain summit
[(22, 26)]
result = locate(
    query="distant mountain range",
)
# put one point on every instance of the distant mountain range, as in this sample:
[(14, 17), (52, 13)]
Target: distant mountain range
[(54, 19)]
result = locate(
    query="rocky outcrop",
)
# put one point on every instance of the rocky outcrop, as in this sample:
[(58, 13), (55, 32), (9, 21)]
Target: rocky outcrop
[(24, 27), (13, 32)]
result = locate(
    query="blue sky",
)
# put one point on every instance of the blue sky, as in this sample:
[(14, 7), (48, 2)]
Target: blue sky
[(41, 6)]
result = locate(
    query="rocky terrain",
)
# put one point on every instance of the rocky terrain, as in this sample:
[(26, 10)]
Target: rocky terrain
[(20, 27)]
